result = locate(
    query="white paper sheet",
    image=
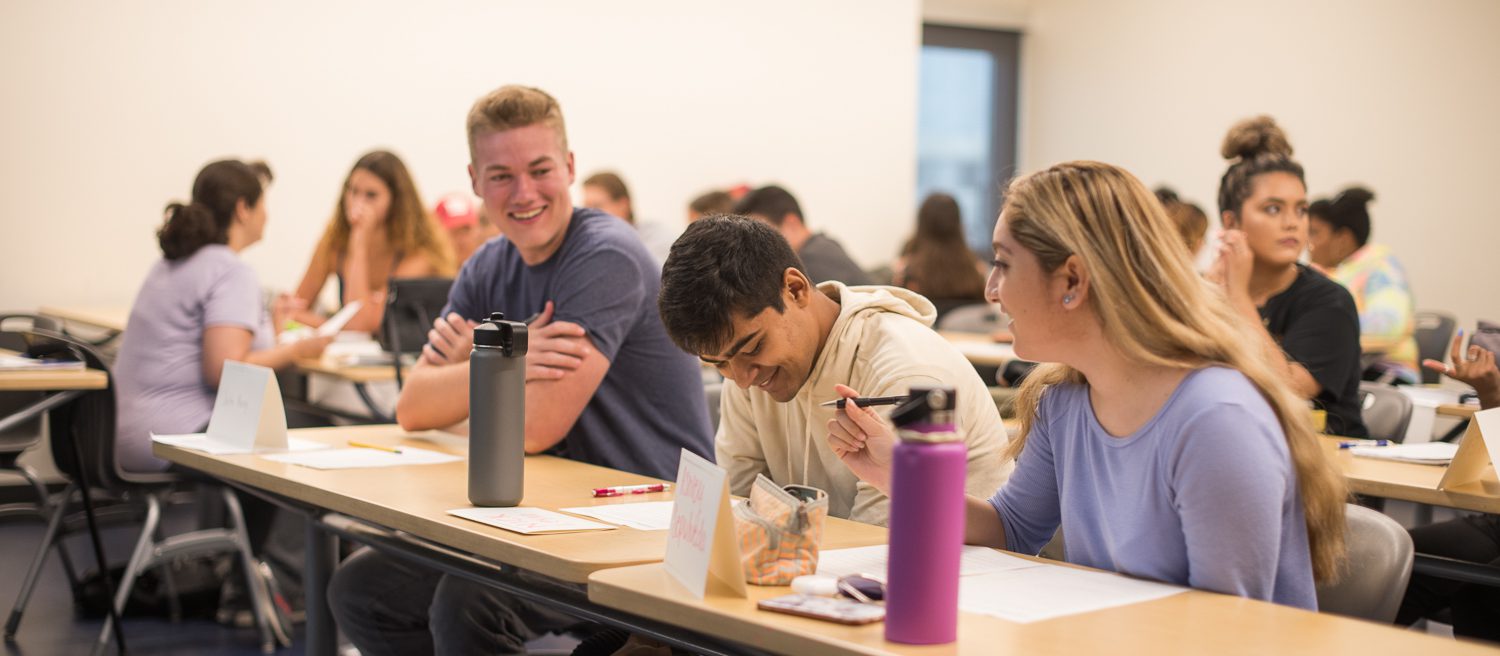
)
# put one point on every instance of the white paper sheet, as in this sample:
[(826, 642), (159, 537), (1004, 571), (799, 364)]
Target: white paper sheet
[(1427, 453), (985, 350), (872, 560), (201, 442), (22, 363), (529, 521), (1049, 591), (355, 458), (646, 516), (336, 322)]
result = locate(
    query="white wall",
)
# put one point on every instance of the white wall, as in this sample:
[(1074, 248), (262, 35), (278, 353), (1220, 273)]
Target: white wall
[(1400, 95), (111, 108)]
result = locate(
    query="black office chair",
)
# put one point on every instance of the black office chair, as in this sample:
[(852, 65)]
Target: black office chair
[(1434, 334), (83, 448), (411, 305)]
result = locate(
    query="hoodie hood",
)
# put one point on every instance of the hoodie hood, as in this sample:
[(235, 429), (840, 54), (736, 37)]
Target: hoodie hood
[(854, 301)]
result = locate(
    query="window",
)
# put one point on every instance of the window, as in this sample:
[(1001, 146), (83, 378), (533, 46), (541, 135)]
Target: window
[(966, 121)]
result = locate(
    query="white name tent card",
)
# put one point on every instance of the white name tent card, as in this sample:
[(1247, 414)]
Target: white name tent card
[(1478, 451), (703, 549), (248, 416)]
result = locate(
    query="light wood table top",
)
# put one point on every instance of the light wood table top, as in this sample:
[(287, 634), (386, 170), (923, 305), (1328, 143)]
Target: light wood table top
[(1193, 622), (980, 348), (416, 499), (374, 373), (1462, 411), (108, 318), (1412, 482)]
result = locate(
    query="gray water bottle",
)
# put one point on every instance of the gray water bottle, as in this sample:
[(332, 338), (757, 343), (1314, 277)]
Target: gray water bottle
[(497, 413)]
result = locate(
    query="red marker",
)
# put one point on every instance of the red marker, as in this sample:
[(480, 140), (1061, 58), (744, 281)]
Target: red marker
[(622, 490)]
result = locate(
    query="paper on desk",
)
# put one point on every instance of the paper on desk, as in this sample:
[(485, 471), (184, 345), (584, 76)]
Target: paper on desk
[(1427, 453), (647, 516), (988, 350), (872, 560), (336, 322), (202, 442), (1045, 592), (529, 521), (23, 363), (355, 458)]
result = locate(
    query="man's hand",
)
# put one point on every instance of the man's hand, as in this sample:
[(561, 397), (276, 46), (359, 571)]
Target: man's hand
[(863, 441), (554, 348), (450, 340)]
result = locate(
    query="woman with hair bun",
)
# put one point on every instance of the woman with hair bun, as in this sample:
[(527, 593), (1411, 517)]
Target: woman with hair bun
[(1338, 237), (199, 307), (1308, 324)]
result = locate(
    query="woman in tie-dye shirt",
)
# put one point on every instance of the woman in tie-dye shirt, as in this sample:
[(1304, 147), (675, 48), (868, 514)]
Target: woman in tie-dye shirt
[(1338, 241)]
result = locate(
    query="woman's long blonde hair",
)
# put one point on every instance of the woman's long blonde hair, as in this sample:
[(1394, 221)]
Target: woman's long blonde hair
[(409, 228), (1158, 311)]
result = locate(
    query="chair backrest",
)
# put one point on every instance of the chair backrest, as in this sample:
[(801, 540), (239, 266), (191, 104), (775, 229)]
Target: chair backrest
[(1379, 566), (713, 391), (1386, 411), (411, 305), (971, 318), (12, 325), (1434, 333), (87, 422)]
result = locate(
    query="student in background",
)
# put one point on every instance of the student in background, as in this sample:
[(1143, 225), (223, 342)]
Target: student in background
[(709, 204), (466, 226), (823, 257), (936, 261), (1161, 440), (199, 307), (604, 385), (1475, 608), (606, 191), (380, 230), (1191, 222), (1307, 323), (1338, 236), (735, 295)]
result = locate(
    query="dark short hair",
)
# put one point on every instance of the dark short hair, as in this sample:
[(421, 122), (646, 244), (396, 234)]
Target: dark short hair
[(722, 265), (713, 202), (771, 202), (1348, 210)]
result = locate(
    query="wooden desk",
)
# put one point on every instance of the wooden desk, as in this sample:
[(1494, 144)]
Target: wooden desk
[(106, 318), (1411, 482), (52, 381), (358, 375), (1193, 622), (1462, 411), (979, 348)]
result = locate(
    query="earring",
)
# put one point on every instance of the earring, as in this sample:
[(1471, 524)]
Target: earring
[(1067, 300)]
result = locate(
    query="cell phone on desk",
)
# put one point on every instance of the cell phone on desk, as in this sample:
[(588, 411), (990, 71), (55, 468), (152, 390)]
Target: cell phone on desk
[(831, 609)]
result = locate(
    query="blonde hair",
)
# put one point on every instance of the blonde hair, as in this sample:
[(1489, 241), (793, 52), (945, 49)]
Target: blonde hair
[(1159, 312), (515, 106), (409, 228)]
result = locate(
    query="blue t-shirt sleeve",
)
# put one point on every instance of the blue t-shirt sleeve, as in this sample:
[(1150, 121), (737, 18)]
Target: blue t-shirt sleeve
[(1028, 502), (1230, 486), (603, 293), (233, 299), (468, 296)]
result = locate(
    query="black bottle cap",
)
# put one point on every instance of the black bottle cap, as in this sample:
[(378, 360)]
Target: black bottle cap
[(496, 332), (924, 402)]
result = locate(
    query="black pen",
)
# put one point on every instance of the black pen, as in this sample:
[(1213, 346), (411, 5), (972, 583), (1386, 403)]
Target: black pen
[(867, 401)]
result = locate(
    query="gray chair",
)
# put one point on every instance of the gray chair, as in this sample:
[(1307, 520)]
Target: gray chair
[(1379, 566), (1434, 335), (83, 448), (1385, 410), (19, 438), (971, 318)]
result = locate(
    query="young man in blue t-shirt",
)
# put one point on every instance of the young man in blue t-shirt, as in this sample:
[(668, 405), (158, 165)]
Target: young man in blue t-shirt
[(604, 384)]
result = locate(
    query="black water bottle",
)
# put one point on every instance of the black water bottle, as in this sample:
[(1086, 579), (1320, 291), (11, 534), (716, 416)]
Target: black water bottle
[(497, 413)]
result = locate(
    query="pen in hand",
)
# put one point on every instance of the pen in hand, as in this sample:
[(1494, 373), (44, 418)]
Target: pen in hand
[(867, 401)]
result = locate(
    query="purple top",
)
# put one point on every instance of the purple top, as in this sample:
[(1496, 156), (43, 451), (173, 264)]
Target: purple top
[(159, 384), (1203, 495)]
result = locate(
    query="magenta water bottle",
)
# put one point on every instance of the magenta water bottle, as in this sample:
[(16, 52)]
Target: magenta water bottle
[(927, 521)]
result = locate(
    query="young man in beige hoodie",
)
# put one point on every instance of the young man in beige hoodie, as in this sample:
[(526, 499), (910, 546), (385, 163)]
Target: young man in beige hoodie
[(734, 294)]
